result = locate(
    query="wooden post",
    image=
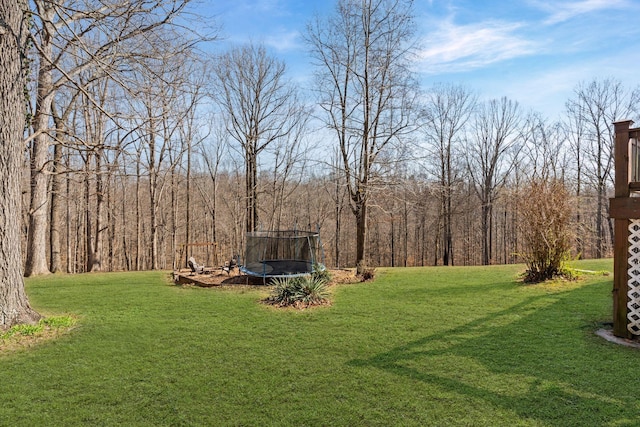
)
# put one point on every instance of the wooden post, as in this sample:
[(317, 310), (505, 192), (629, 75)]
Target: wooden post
[(621, 227), (621, 158)]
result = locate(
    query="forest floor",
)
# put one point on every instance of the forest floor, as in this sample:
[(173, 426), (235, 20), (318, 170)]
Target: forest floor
[(219, 277)]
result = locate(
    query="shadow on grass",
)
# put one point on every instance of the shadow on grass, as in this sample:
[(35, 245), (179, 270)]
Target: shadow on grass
[(537, 359)]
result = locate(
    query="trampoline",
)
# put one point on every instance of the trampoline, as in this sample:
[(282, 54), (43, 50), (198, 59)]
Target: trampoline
[(288, 253)]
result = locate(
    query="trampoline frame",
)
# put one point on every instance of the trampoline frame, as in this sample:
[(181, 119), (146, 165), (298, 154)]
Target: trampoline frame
[(263, 249)]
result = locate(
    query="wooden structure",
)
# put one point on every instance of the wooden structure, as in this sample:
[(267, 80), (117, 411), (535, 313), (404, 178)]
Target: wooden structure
[(206, 253), (624, 208)]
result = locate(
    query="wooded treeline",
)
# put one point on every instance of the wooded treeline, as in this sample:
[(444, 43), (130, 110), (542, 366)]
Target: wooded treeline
[(138, 142)]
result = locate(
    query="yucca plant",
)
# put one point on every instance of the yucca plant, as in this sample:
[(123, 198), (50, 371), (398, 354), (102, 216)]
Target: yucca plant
[(302, 291), (283, 292), (311, 290)]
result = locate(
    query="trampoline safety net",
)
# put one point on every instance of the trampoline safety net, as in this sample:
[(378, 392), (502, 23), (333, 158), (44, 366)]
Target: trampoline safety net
[(282, 253)]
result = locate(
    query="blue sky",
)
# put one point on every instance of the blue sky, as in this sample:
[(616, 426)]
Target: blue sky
[(532, 51)]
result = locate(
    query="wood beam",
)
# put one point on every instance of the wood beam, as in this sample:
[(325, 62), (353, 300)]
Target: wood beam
[(621, 158)]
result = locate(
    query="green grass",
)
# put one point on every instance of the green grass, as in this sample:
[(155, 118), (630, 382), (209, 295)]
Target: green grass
[(48, 325), (418, 346)]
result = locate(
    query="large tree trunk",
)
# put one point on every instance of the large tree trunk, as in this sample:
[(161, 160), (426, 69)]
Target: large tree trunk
[(14, 305), (36, 262)]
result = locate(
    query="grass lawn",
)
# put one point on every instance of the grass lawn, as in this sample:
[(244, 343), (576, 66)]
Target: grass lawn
[(419, 346)]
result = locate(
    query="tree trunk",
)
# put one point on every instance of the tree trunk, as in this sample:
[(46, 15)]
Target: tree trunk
[(96, 255), (138, 260), (599, 227), (405, 236), (338, 230), (68, 227), (393, 241), (36, 262), (187, 225), (87, 215), (56, 209), (361, 235), (486, 246), (14, 304), (153, 192), (174, 217), (128, 265), (251, 190), (579, 234), (111, 224)]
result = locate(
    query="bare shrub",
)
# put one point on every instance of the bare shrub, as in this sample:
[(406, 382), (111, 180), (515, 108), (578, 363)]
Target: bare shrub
[(546, 213)]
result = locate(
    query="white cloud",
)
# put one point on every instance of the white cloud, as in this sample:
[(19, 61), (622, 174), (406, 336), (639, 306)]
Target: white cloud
[(547, 89), (563, 11), (451, 48), (283, 40)]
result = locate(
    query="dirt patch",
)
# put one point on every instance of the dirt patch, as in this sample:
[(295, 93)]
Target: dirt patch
[(222, 278)]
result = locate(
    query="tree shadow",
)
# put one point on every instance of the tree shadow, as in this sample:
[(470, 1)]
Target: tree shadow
[(544, 385)]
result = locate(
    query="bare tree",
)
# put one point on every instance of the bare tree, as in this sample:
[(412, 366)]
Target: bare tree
[(366, 89), (544, 148), (597, 105), (14, 304), (574, 129), (447, 111), (162, 113), (287, 170), (336, 189), (212, 154), (68, 39), (262, 107), (496, 133)]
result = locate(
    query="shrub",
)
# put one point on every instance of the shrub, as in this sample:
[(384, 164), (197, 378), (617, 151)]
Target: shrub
[(300, 292), (545, 227)]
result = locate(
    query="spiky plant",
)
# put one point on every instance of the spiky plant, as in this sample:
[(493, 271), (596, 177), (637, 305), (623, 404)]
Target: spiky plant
[(283, 292), (311, 290), (299, 291)]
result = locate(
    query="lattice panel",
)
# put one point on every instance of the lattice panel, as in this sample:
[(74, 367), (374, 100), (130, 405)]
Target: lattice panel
[(633, 292)]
